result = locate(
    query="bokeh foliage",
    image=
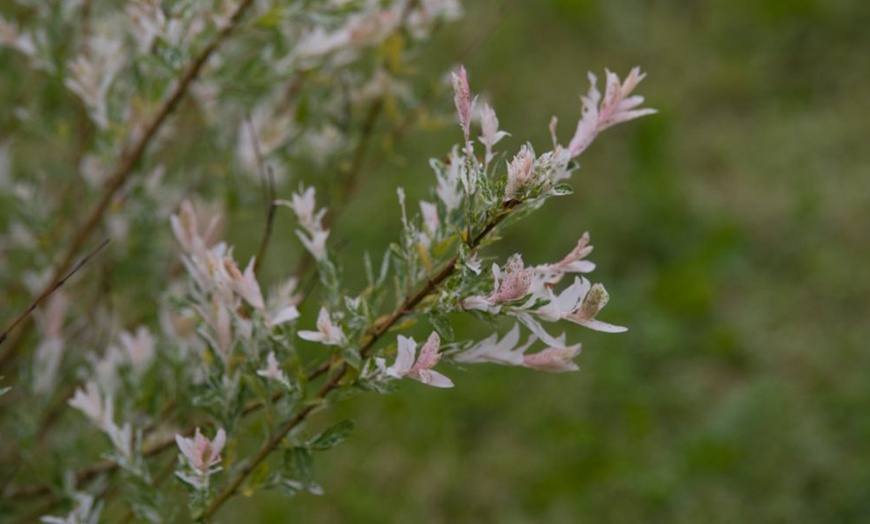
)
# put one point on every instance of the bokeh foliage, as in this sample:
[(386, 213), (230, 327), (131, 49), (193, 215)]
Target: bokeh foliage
[(731, 230)]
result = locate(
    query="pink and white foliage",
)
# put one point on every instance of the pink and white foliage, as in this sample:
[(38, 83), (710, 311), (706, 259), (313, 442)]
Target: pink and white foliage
[(520, 174), (202, 456), (187, 231), (574, 262), (312, 235), (464, 104), (272, 371), (618, 105), (100, 410), (328, 333), (420, 370), (450, 177), (281, 307), (93, 405), (431, 224), (504, 351), (593, 302), (515, 284), (245, 284), (139, 348), (554, 359), (91, 75), (367, 28), (491, 134)]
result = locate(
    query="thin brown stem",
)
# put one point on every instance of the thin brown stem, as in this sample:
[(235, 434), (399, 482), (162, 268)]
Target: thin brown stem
[(267, 184)]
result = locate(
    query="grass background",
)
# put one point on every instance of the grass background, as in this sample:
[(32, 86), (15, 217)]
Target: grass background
[(731, 231)]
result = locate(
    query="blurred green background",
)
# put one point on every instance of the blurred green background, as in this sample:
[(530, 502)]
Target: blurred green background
[(731, 230)]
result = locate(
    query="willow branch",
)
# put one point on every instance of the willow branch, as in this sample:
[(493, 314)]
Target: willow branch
[(381, 328), (431, 284)]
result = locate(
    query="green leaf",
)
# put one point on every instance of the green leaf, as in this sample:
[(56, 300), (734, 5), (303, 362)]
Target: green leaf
[(332, 436), (257, 479), (351, 357), (298, 464), (446, 245), (271, 18), (442, 326), (563, 189)]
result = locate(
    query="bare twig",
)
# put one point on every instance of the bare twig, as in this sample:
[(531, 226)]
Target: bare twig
[(267, 184), (270, 222), (52, 287)]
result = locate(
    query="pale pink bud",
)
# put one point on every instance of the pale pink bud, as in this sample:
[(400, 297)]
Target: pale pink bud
[(139, 348), (421, 371), (618, 106), (304, 204), (246, 284), (282, 315), (587, 126), (464, 105), (272, 371), (184, 226), (201, 453), (90, 402), (579, 252), (327, 333), (520, 173), (462, 99)]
